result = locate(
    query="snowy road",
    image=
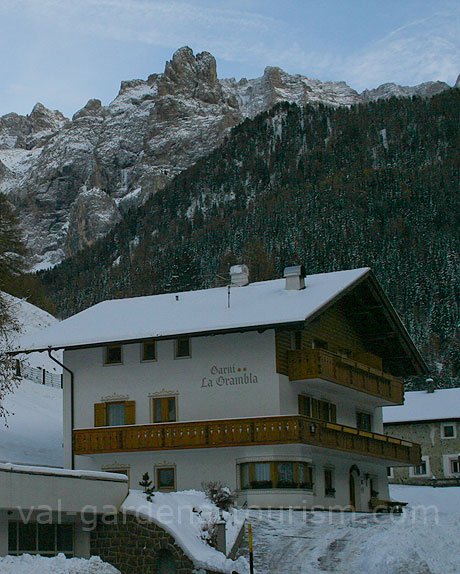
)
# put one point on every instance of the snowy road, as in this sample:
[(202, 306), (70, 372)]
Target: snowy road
[(303, 542)]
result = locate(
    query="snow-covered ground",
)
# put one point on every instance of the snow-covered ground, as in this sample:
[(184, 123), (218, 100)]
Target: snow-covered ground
[(34, 431), (420, 541), (184, 515), (27, 564)]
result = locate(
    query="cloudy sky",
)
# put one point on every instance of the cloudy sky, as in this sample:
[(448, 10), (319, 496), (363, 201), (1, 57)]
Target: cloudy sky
[(64, 52)]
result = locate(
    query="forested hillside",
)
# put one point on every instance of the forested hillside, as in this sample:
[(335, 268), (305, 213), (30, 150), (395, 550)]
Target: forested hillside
[(375, 184)]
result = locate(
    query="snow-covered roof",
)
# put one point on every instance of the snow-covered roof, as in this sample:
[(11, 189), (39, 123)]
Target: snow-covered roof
[(442, 404), (193, 312)]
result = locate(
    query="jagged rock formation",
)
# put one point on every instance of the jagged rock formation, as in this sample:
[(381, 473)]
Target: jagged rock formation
[(71, 180)]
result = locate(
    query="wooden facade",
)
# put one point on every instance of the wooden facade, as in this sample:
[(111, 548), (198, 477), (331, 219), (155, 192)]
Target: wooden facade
[(320, 364), (287, 429), (332, 348)]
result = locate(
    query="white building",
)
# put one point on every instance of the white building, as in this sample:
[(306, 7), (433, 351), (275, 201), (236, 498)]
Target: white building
[(273, 388)]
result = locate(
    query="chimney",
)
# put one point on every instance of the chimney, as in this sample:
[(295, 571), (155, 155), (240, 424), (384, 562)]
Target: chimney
[(430, 387), (295, 277), (239, 275)]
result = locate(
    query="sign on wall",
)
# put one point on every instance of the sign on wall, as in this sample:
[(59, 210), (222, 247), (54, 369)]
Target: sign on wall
[(228, 376)]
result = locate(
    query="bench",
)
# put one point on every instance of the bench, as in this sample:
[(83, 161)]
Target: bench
[(379, 505)]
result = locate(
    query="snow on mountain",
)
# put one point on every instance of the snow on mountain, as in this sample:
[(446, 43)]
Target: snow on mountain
[(69, 178)]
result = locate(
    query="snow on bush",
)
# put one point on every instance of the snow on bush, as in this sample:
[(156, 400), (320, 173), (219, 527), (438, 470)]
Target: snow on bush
[(27, 564)]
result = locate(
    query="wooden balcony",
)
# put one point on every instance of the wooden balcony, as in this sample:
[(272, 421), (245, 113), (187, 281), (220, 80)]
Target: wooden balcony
[(320, 364), (285, 429)]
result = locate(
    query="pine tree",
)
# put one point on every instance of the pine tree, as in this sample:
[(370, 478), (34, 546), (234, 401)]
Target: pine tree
[(146, 484)]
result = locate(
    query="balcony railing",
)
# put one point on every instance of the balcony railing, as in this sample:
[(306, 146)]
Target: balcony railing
[(321, 364), (285, 429)]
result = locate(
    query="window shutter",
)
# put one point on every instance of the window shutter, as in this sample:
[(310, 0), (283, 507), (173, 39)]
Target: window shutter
[(130, 412), (99, 414), (333, 413)]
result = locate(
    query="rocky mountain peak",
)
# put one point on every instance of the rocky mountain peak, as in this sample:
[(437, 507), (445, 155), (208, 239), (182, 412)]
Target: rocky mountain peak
[(43, 119), (190, 75), (72, 180), (92, 108)]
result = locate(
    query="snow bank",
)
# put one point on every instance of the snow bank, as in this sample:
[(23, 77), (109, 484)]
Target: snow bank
[(183, 515), (35, 431), (27, 564)]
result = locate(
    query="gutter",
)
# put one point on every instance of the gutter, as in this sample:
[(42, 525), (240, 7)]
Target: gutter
[(72, 456)]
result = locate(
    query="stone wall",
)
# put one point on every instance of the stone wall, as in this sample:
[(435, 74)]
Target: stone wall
[(428, 435), (138, 547)]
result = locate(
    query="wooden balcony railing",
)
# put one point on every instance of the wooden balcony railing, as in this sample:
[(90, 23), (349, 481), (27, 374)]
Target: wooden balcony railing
[(320, 364), (244, 432)]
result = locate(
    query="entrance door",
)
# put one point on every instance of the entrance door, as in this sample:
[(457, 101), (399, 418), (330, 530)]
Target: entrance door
[(352, 492)]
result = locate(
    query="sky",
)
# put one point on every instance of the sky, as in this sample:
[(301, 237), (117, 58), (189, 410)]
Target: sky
[(64, 52)]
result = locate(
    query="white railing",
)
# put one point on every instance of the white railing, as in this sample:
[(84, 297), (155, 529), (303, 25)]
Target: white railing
[(39, 376)]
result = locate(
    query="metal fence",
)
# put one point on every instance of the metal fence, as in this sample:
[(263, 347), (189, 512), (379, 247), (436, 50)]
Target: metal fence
[(39, 376)]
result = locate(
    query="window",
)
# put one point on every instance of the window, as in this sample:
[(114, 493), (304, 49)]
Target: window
[(422, 469), (114, 413), (123, 470), (296, 340), (164, 409), (182, 347), (166, 478), (448, 430), (113, 355), (45, 539), (285, 475), (329, 489), (317, 409), (363, 421), (280, 474), (304, 405), (262, 478), (390, 472), (149, 351), (454, 466)]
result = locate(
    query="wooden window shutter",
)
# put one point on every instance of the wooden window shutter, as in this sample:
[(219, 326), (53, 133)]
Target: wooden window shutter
[(99, 414), (333, 413), (130, 412)]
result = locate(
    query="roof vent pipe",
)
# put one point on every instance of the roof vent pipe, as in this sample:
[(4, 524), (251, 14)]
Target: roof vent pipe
[(295, 277), (239, 275)]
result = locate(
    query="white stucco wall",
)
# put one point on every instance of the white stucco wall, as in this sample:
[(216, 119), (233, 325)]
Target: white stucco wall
[(201, 393)]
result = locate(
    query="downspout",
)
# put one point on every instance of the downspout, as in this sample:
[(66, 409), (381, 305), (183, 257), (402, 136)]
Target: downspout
[(72, 456)]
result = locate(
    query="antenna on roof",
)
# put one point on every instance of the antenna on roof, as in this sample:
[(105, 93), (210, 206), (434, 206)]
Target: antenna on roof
[(239, 277)]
